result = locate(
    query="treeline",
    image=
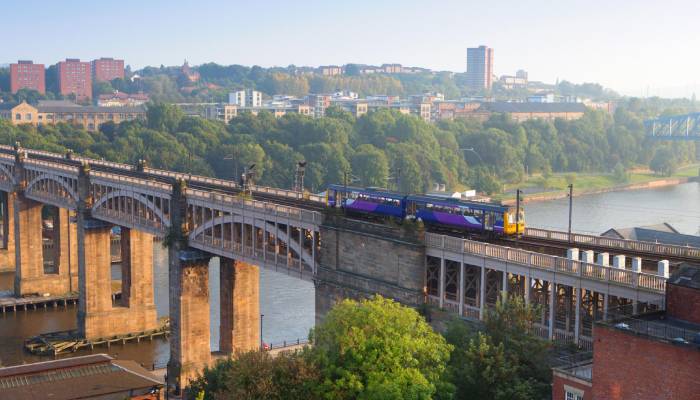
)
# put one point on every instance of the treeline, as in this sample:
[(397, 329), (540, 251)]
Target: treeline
[(383, 148)]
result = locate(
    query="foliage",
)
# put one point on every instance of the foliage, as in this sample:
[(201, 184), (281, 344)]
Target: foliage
[(258, 375), (375, 147), (663, 162), (504, 361), (378, 349)]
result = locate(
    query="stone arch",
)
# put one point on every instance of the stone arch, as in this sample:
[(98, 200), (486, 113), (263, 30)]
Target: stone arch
[(225, 219), (134, 196)]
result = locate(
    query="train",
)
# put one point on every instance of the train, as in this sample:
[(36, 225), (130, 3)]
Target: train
[(451, 213)]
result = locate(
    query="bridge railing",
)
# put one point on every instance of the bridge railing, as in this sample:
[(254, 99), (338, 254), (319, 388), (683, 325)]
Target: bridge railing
[(622, 244), (582, 269), (271, 209)]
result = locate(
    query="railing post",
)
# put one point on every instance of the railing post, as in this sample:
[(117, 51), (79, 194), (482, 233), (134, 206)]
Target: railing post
[(441, 286)]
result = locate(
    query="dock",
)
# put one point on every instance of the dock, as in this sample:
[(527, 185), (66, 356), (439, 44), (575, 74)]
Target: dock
[(13, 304), (55, 343)]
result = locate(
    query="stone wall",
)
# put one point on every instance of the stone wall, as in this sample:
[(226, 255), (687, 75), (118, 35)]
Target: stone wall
[(360, 259)]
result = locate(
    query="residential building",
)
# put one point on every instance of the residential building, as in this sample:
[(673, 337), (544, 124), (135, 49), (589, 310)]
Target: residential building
[(27, 75), (391, 68), (119, 99), (330, 70), (646, 356), (480, 68), (96, 376), (75, 78), (521, 74), (355, 107), (221, 111), (526, 111), (107, 69), (319, 103), (245, 98), (510, 82), (54, 111)]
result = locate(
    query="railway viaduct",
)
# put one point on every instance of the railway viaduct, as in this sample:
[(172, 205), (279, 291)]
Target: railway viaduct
[(199, 218)]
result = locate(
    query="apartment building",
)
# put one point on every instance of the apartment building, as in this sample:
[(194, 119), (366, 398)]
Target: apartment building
[(27, 75), (75, 78)]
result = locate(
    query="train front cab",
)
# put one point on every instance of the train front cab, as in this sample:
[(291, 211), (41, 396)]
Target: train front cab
[(510, 223)]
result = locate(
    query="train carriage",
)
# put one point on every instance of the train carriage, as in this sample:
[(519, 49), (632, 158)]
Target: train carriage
[(367, 200)]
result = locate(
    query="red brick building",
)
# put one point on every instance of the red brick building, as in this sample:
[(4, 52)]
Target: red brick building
[(27, 75), (106, 69), (75, 77), (652, 356)]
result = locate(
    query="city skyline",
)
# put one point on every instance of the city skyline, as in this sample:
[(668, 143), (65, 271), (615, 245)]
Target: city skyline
[(539, 39)]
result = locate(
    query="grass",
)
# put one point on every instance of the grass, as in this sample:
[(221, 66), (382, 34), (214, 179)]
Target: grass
[(584, 182)]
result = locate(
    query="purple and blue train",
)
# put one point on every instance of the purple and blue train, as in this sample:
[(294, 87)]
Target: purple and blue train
[(473, 216)]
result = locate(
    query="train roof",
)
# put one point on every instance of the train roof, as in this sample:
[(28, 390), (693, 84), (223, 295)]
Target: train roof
[(369, 191), (476, 205)]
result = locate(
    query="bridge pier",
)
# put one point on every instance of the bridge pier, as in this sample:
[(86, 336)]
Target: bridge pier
[(98, 315), (190, 349), (240, 306), (7, 241), (30, 273)]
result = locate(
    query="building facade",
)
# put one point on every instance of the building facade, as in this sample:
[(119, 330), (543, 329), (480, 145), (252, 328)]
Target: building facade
[(106, 69), (330, 70), (53, 112), (75, 77), (480, 68), (119, 99), (245, 98), (27, 75), (647, 356)]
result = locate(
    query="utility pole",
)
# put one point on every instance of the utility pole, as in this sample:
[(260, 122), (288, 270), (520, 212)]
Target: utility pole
[(571, 205), (517, 214)]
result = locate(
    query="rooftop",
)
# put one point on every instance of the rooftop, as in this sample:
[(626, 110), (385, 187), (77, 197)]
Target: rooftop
[(658, 326), (662, 233), (89, 376), (507, 107), (687, 276)]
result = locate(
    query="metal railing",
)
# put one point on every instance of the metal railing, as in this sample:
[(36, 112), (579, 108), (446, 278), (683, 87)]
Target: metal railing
[(622, 244), (654, 325), (582, 269), (267, 208)]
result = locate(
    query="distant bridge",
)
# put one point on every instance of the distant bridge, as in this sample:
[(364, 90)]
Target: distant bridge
[(677, 127)]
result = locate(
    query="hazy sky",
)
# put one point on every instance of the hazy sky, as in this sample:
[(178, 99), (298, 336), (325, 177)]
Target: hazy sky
[(630, 46)]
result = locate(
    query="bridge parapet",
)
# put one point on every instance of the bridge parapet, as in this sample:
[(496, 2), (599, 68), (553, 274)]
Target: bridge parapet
[(580, 269), (622, 244)]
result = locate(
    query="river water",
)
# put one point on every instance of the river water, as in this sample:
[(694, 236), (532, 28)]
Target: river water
[(288, 303)]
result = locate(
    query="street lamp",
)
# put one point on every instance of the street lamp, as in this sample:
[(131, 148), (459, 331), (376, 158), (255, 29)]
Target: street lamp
[(247, 177), (262, 342)]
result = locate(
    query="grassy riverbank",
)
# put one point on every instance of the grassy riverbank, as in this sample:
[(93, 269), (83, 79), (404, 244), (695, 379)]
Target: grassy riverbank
[(555, 186)]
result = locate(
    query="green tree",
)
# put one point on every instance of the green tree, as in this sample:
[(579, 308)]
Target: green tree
[(504, 360), (370, 165), (620, 173), (164, 117), (258, 375), (663, 162), (379, 349)]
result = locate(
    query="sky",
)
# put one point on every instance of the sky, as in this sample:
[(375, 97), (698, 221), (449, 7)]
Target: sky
[(638, 47)]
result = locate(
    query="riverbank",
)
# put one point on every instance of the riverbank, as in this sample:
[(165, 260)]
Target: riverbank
[(587, 184)]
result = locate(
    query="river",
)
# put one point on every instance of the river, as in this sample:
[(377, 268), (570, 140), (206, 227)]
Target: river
[(288, 303)]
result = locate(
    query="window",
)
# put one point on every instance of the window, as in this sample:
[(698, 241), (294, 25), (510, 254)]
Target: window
[(571, 393), (28, 117), (18, 117)]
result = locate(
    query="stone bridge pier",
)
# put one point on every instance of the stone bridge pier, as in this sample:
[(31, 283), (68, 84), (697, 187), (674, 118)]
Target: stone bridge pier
[(99, 314), (42, 264), (190, 342)]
